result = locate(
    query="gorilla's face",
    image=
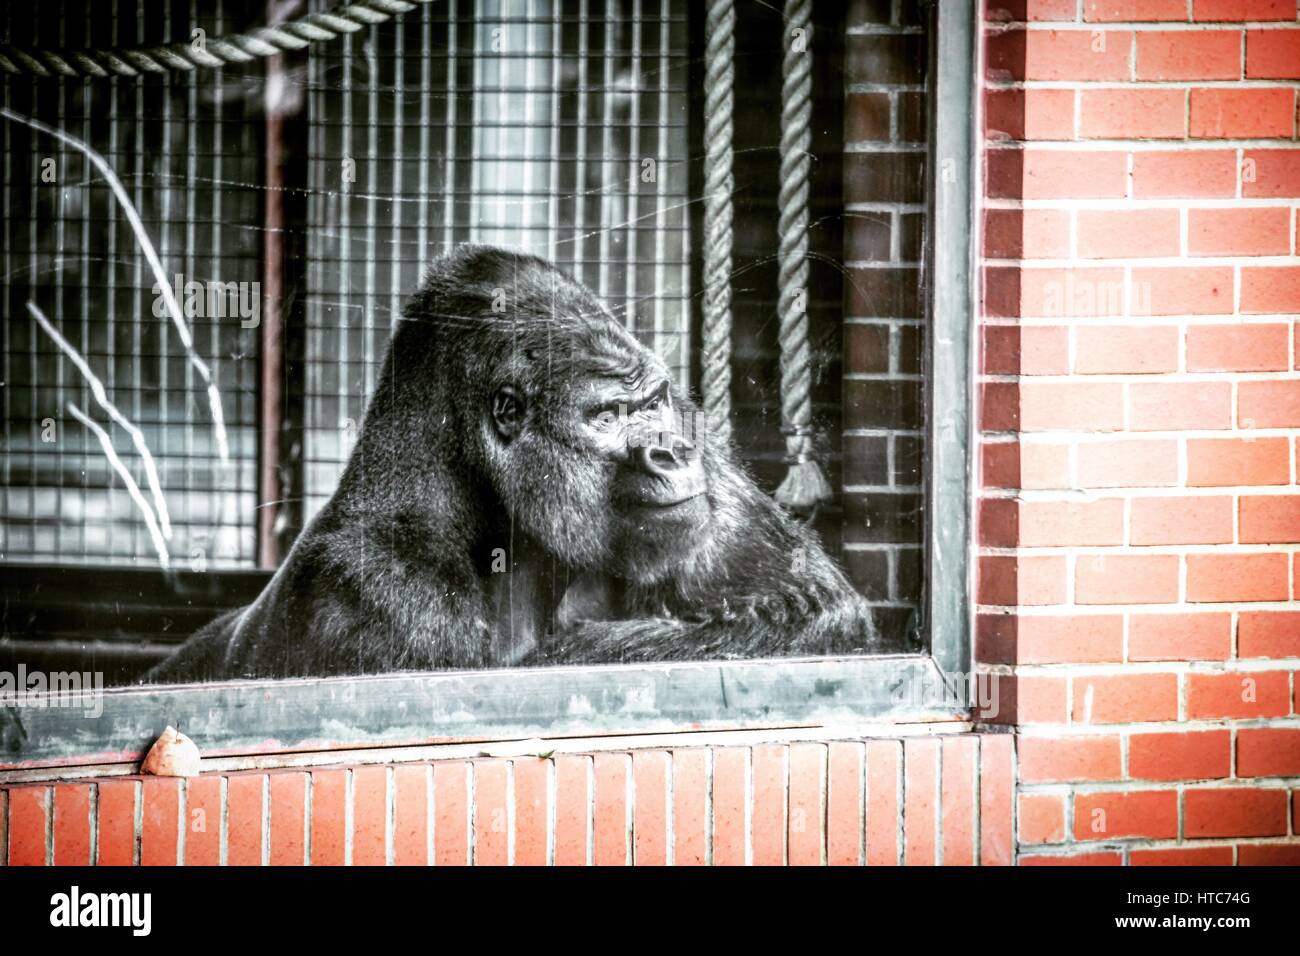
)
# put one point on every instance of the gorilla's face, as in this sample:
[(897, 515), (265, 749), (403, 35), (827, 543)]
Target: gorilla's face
[(602, 463)]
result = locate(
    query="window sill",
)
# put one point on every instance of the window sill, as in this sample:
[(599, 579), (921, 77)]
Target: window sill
[(409, 709)]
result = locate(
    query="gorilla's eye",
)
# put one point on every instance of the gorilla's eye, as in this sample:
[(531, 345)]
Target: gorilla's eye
[(507, 410)]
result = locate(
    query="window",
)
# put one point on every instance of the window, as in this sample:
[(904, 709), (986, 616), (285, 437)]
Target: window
[(294, 202)]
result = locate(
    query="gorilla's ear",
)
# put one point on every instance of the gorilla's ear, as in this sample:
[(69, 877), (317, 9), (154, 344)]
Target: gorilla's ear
[(508, 409)]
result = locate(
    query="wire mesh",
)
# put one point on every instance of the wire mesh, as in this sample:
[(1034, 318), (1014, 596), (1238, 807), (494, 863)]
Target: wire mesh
[(559, 128), (184, 146)]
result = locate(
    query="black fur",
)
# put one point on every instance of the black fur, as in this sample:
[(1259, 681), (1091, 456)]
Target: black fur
[(473, 459)]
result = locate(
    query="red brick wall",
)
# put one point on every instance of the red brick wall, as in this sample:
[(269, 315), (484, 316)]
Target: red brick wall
[(917, 800), (1139, 513)]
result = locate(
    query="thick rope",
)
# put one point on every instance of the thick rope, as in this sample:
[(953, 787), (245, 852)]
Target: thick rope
[(217, 51), (804, 486), (719, 183)]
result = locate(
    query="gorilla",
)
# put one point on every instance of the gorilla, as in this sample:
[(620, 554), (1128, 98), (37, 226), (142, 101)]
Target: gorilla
[(528, 487)]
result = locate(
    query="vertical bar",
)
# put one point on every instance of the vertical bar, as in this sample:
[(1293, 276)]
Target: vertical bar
[(608, 190), (632, 165), (426, 57), (580, 153), (950, 614), (395, 202), (661, 174), (283, 369), (553, 171), (372, 249), (271, 411), (449, 163)]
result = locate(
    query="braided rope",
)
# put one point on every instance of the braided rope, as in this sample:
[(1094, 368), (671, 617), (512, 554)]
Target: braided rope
[(804, 486), (218, 51), (719, 183)]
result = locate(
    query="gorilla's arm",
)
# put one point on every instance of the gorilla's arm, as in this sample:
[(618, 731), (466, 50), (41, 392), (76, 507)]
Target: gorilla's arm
[(766, 588)]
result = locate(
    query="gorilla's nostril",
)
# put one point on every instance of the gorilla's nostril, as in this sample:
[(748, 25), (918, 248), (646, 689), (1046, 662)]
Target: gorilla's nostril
[(662, 458)]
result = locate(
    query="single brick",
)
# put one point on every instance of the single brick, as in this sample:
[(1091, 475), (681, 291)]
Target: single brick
[(1202, 755), (1266, 289), (1270, 519), (1224, 113), (491, 818), (1041, 818), (1180, 637), (1268, 752), (845, 801), (1238, 232), (72, 825), (1182, 55), (957, 800), (117, 822), (27, 823), (1176, 290), (770, 821), (1235, 811), (1272, 404), (370, 816), (1237, 348), (1024, 580), (1152, 814), (1237, 577), (612, 812), (728, 801), (1049, 639), (1127, 113), (160, 821), (245, 809), (1068, 759), (1133, 11), (1273, 54), (1268, 173), (1268, 634), (1065, 174), (1169, 174), (1200, 519), (1126, 579), (920, 801), (329, 795), (1125, 349), (1124, 698), (533, 807), (690, 806), (995, 788), (1182, 856), (203, 821), (1027, 233), (410, 814), (883, 786), (288, 818), (1235, 10), (451, 818), (1127, 233), (1130, 463), (807, 801), (1240, 694), (1179, 406), (1225, 462)]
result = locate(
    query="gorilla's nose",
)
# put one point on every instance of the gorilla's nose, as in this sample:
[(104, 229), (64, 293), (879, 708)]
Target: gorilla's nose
[(665, 461), (672, 472)]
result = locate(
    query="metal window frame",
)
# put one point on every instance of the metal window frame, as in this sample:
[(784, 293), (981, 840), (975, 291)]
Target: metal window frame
[(248, 717)]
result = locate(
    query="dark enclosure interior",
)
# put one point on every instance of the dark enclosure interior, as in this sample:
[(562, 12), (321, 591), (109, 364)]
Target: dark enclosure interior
[(293, 204)]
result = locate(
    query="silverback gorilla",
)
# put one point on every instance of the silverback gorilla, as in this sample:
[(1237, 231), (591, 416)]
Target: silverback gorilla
[(528, 487)]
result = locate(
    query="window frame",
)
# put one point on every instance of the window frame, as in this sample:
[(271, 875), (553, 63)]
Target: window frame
[(408, 709)]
